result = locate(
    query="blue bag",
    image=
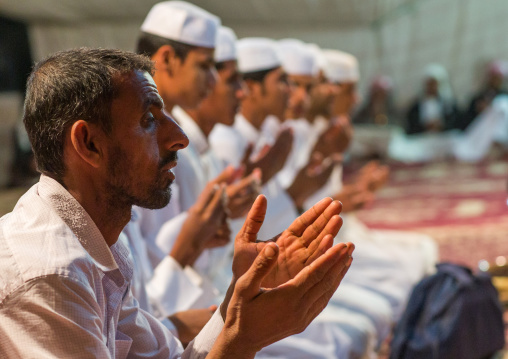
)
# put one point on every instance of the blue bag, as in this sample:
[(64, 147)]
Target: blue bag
[(452, 314)]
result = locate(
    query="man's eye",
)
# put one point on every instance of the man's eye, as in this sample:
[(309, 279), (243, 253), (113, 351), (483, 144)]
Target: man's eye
[(148, 120)]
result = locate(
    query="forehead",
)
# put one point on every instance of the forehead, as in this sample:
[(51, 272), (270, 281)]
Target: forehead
[(201, 54), (136, 92), (302, 79)]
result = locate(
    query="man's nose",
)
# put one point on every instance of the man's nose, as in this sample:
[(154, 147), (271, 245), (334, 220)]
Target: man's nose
[(212, 78), (172, 137)]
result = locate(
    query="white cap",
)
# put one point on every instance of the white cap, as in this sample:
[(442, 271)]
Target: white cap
[(257, 54), (341, 66), (183, 22), (226, 45), (296, 58), (319, 58)]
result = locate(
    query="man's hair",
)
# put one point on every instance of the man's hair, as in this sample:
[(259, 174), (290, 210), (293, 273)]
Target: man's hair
[(258, 76), (148, 44), (69, 86)]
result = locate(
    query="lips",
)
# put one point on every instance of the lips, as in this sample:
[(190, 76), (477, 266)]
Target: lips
[(167, 169)]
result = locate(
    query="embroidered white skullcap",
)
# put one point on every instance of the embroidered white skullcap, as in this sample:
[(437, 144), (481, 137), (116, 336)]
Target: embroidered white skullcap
[(226, 45), (296, 58), (341, 66), (257, 54), (183, 22), (319, 58)]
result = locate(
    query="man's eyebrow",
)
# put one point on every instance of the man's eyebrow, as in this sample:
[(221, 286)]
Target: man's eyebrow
[(153, 100)]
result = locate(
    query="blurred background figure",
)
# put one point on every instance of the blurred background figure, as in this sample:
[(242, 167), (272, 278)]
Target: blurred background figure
[(494, 85), (374, 121), (378, 109), (435, 110)]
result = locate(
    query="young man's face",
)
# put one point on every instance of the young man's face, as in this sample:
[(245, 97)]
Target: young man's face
[(142, 146), (224, 101), (345, 99), (322, 94), (299, 100), (275, 93), (194, 78)]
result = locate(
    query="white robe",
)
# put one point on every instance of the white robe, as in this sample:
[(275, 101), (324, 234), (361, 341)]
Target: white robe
[(216, 264), (353, 304)]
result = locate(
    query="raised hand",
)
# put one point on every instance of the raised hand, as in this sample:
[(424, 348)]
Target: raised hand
[(310, 179), (336, 138), (242, 194), (299, 245), (206, 219), (271, 159), (373, 176), (257, 316), (354, 197)]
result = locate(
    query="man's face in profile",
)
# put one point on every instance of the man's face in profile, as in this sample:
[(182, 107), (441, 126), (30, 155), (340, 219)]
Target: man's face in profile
[(194, 77), (142, 145)]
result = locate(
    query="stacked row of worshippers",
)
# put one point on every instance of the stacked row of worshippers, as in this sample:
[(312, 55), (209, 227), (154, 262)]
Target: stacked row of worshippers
[(189, 198)]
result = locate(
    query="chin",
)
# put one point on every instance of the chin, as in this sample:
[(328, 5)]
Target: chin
[(156, 200)]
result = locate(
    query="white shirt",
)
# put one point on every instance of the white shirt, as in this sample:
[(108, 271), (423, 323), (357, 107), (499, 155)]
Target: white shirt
[(65, 294), (281, 211)]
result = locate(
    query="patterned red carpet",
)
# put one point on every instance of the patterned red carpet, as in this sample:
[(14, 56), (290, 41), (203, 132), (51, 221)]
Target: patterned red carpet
[(462, 206)]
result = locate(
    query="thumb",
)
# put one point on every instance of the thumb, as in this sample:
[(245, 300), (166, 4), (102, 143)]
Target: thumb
[(250, 282), (254, 220)]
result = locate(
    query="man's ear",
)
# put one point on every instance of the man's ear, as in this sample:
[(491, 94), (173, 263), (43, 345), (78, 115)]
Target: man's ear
[(85, 139), (166, 60)]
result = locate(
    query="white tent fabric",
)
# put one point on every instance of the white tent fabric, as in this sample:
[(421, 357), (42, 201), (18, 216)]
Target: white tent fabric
[(392, 37)]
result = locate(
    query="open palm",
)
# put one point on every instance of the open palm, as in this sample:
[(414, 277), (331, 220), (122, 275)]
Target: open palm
[(299, 245)]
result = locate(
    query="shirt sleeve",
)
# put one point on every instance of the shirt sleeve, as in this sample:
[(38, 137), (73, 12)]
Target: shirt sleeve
[(58, 317), (172, 289)]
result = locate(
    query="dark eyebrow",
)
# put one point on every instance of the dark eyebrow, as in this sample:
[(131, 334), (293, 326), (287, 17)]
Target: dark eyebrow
[(152, 100)]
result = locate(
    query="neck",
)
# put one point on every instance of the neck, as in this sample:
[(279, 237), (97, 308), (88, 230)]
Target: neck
[(254, 114), (201, 120), (109, 216)]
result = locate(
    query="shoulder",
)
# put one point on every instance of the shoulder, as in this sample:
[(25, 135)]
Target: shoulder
[(35, 242)]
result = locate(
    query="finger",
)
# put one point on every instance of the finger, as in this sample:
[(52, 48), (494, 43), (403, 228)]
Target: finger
[(212, 308), (316, 228), (206, 196), (254, 220), (323, 177), (331, 228), (250, 283), (247, 184), (215, 209), (317, 307), (263, 152), (322, 269), (225, 176), (325, 244), (300, 224), (326, 294)]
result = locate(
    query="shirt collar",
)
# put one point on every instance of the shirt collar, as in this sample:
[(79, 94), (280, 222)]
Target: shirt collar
[(191, 129), (246, 129), (78, 220)]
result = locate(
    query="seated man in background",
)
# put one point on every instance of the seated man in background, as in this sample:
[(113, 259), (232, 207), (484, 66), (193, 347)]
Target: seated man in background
[(103, 143), (493, 86), (435, 108)]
